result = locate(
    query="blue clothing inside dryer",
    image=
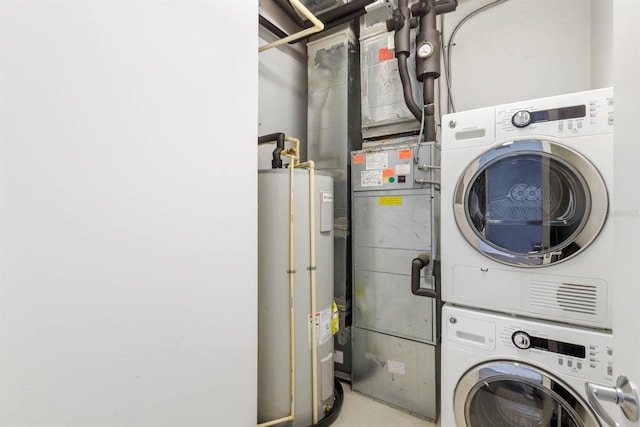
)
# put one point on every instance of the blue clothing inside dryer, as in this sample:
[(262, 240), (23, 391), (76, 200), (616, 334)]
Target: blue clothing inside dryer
[(515, 197)]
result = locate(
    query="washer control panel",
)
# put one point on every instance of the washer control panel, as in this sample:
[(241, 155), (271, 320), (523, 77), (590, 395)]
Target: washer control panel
[(566, 349), (577, 114)]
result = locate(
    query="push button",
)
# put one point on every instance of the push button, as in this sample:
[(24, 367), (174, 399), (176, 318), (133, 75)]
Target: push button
[(610, 370), (570, 363)]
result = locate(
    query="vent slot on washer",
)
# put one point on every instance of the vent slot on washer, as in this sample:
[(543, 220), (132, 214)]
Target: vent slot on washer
[(571, 297)]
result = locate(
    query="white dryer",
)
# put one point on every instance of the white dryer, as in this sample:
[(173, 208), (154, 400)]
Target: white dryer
[(500, 370), (526, 190)]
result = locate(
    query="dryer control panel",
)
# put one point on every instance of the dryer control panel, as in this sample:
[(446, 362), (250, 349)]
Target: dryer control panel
[(569, 350), (578, 114)]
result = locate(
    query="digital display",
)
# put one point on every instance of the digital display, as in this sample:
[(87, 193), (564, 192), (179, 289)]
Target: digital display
[(565, 113), (559, 347)]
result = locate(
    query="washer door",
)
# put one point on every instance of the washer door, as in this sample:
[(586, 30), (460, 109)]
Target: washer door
[(530, 203), (508, 394)]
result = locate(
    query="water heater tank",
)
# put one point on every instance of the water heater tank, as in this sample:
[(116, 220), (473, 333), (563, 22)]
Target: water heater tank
[(273, 296)]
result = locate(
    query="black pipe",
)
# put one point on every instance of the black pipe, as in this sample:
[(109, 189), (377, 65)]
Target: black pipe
[(427, 68), (275, 30), (406, 86), (290, 11), (271, 27), (339, 21), (428, 88), (417, 265), (341, 11), (279, 139)]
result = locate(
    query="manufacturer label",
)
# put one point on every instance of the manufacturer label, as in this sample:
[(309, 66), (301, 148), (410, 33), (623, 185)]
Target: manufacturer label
[(395, 367), (323, 324), (404, 169), (377, 161), (327, 197), (370, 178)]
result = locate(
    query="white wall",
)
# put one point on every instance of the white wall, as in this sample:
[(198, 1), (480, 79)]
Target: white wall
[(601, 43), (626, 210), (517, 50), (128, 213), (282, 95)]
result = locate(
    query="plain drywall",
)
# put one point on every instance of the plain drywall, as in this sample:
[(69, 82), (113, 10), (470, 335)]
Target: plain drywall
[(601, 43), (128, 213), (625, 214), (517, 50), (282, 95)]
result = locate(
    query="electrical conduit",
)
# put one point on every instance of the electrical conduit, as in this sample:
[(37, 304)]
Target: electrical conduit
[(317, 27)]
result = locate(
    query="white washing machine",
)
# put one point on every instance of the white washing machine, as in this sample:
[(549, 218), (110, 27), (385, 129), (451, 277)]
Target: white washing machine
[(500, 370), (526, 190)]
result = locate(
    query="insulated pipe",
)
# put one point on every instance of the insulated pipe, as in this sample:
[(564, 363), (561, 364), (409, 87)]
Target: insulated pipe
[(428, 87), (312, 281), (406, 86), (341, 11), (317, 26), (274, 138), (428, 68), (292, 153)]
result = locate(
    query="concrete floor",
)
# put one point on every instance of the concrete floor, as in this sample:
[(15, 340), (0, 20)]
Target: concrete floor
[(359, 410)]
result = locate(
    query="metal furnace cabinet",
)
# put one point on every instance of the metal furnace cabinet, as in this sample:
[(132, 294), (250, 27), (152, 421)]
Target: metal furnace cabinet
[(395, 333)]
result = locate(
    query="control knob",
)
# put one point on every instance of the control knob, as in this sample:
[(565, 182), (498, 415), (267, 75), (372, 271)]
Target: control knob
[(522, 340), (521, 119)]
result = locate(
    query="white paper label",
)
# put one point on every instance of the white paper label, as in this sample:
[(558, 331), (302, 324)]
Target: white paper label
[(370, 178), (323, 326), (395, 367), (377, 161), (327, 197), (404, 169), (338, 357)]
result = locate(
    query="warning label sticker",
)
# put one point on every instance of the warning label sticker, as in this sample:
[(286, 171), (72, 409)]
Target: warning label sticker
[(371, 178), (323, 324)]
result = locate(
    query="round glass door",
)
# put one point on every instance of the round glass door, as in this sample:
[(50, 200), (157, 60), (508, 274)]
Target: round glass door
[(507, 394), (530, 203)]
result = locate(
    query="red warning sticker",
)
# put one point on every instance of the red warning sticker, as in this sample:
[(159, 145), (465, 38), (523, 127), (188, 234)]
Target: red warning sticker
[(386, 173), (384, 54), (358, 158), (405, 154)]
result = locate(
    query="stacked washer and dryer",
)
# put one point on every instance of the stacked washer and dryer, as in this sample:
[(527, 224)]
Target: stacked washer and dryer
[(526, 262)]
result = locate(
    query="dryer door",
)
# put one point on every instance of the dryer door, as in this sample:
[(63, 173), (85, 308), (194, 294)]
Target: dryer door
[(497, 394), (530, 203)]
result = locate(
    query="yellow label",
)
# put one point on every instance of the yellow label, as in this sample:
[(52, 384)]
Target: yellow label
[(335, 319), (390, 200)]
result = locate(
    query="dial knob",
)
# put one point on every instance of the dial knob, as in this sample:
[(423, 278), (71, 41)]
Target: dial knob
[(522, 340), (521, 119)]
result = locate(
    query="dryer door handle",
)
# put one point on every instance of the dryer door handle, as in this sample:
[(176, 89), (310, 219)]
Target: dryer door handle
[(418, 263), (624, 394)]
